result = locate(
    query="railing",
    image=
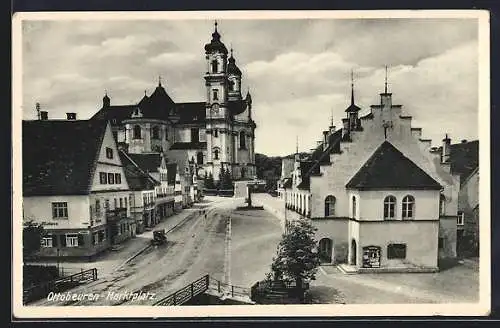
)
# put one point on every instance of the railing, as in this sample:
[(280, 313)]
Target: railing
[(57, 285), (187, 293), (232, 290), (118, 213)]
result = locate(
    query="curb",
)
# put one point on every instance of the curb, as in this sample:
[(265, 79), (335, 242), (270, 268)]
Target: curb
[(132, 257)]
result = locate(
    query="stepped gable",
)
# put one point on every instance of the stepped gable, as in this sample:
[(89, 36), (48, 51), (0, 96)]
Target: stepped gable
[(388, 168), (59, 157)]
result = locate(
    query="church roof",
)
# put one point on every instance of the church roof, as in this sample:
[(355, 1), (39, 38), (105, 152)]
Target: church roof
[(232, 68), (388, 168), (115, 114), (149, 163), (464, 158), (352, 108), (59, 156), (191, 112), (137, 179), (215, 44)]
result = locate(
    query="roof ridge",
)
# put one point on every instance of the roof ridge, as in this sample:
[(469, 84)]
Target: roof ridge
[(96, 157)]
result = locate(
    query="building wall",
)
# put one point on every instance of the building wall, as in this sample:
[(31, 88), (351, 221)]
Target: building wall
[(448, 233), (468, 200), (371, 204), (421, 239), (337, 231)]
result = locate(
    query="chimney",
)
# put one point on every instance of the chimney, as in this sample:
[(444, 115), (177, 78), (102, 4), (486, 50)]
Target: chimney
[(332, 129), (44, 115), (71, 116), (325, 140), (445, 155), (318, 143), (37, 110), (464, 141)]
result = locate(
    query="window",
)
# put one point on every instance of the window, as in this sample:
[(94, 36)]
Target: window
[(440, 242), (396, 251), (115, 134), (460, 218), (354, 206), (216, 133), (330, 205), (231, 85), (389, 205), (121, 202), (111, 178), (60, 210), (116, 203), (103, 177), (125, 199), (137, 132), (166, 134), (72, 240), (118, 178), (216, 154), (106, 204), (109, 153), (199, 158), (242, 140), (215, 66), (97, 207), (195, 135), (442, 209), (95, 238), (215, 94), (46, 241), (408, 207), (155, 133)]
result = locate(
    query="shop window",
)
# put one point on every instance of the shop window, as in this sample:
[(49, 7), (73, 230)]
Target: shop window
[(47, 241), (72, 240)]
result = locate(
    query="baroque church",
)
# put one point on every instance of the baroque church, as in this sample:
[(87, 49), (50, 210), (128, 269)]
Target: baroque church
[(210, 135)]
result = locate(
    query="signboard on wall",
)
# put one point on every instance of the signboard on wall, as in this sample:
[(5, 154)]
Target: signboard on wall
[(371, 257)]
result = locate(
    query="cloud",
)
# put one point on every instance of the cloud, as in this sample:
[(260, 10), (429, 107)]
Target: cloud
[(298, 70)]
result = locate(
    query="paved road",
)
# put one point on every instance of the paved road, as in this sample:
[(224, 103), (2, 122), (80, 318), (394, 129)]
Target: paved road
[(196, 247)]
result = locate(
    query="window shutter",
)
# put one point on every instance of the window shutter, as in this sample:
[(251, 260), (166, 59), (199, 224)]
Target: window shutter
[(54, 240), (63, 240), (80, 240)]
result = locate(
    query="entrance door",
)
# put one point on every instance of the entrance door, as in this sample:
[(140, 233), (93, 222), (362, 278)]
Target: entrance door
[(325, 250)]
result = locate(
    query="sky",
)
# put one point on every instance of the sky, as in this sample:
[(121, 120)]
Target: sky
[(298, 70)]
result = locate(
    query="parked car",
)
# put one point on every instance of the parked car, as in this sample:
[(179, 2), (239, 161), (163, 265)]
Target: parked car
[(159, 237)]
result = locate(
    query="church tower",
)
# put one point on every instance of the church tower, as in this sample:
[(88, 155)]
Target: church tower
[(218, 128)]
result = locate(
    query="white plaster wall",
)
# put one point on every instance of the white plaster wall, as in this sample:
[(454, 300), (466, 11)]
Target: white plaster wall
[(39, 209)]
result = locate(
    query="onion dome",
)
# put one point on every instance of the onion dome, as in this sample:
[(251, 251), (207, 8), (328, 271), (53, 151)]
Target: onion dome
[(231, 67), (216, 44)]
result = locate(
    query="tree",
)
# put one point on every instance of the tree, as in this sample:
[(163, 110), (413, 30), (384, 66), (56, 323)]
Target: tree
[(209, 181), (32, 237), (225, 180), (297, 258)]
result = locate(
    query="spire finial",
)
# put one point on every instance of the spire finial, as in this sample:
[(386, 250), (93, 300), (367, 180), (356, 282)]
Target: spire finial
[(215, 24), (352, 87), (105, 92), (331, 119), (145, 93), (385, 78), (231, 49), (296, 144), (159, 80)]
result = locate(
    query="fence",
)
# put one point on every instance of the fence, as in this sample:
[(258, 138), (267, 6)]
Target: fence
[(57, 285), (218, 192), (187, 293), (232, 290)]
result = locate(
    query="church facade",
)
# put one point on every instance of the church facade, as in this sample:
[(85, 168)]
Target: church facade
[(203, 137), (381, 198)]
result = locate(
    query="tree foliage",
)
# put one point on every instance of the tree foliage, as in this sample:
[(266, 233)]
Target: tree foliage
[(209, 181), (32, 236), (225, 179), (297, 258)]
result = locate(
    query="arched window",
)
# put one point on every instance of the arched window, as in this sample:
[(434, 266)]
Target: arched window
[(137, 132), (231, 85), (216, 153), (354, 206), (215, 66), (199, 158), (389, 205), (156, 133), (408, 207), (216, 133), (442, 209), (242, 140), (330, 205)]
